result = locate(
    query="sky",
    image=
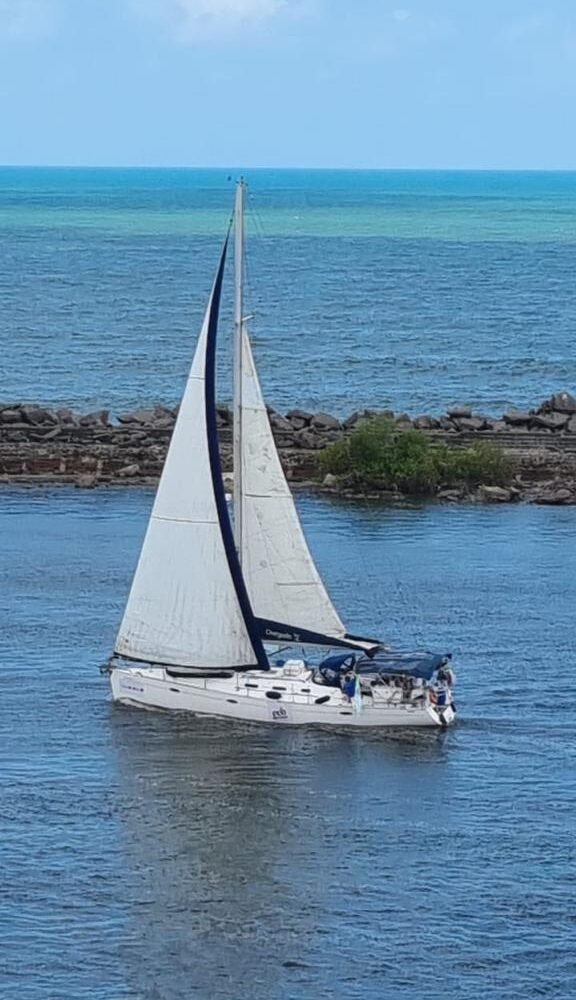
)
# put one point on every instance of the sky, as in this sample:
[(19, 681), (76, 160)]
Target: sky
[(485, 84)]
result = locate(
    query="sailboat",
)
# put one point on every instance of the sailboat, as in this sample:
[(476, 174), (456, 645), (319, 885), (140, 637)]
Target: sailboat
[(217, 600)]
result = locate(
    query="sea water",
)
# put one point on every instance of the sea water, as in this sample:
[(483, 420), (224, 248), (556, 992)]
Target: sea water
[(149, 856), (153, 856), (409, 290)]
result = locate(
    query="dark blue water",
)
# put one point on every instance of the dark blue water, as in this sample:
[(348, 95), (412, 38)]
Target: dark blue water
[(153, 857), (410, 290)]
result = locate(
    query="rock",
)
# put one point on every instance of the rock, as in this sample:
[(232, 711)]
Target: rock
[(561, 402), (426, 423), (37, 415), (10, 417), (330, 481), (298, 424), (99, 418), (516, 417), (498, 425), (167, 423), (459, 411), (446, 424), (452, 496), (329, 437), (128, 471), (86, 480), (299, 418), (223, 414), (351, 421), (280, 423), (469, 423), (571, 426), (551, 421), (137, 417), (553, 497), (65, 416), (307, 439), (403, 420), (325, 422), (495, 494), (285, 441)]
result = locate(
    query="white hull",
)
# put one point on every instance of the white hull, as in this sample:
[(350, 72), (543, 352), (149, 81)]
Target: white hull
[(245, 696)]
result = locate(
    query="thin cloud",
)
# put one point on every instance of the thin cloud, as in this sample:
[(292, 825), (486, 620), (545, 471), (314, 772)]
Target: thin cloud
[(193, 19), (26, 19), (533, 24)]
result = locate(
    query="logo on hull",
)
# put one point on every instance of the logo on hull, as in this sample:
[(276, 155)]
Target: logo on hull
[(280, 715)]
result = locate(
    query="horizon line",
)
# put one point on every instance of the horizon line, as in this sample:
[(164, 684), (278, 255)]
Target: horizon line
[(324, 169)]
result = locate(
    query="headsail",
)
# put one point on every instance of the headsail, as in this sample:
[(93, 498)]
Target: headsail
[(188, 606), (286, 591)]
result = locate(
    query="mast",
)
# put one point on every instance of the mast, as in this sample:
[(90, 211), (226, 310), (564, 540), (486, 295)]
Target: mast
[(238, 317)]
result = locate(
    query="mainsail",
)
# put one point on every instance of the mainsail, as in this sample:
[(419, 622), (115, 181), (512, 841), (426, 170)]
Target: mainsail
[(188, 605)]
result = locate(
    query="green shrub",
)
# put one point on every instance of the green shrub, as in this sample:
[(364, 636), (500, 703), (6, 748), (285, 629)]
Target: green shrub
[(377, 455)]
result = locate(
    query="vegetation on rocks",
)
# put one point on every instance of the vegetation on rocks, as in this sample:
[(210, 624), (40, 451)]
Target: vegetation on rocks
[(379, 455)]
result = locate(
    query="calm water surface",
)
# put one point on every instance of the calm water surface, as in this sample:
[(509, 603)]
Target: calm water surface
[(152, 857), (412, 290)]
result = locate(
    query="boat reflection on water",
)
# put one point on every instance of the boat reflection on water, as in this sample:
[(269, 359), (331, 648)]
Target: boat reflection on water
[(249, 849)]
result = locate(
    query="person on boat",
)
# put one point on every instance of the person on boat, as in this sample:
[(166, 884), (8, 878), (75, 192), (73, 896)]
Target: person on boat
[(445, 675), (348, 681)]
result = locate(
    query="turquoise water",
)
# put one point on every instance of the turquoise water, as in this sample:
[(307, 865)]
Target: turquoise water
[(410, 290)]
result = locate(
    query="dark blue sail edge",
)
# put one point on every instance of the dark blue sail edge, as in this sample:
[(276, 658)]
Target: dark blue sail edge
[(271, 631), (216, 470)]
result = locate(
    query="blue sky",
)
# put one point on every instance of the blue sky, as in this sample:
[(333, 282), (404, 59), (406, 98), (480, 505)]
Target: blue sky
[(326, 83)]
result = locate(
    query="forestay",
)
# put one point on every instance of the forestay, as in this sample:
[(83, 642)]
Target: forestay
[(282, 581), (183, 607)]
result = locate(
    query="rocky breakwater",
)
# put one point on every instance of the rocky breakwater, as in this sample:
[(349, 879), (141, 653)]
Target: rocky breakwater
[(42, 444), (57, 445)]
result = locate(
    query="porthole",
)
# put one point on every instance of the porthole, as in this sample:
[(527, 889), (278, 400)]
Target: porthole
[(275, 695)]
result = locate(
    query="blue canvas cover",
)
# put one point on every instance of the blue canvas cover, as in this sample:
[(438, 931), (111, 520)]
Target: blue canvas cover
[(409, 663), (417, 663)]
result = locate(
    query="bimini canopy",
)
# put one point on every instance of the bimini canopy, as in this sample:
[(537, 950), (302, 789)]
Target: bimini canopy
[(408, 664)]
